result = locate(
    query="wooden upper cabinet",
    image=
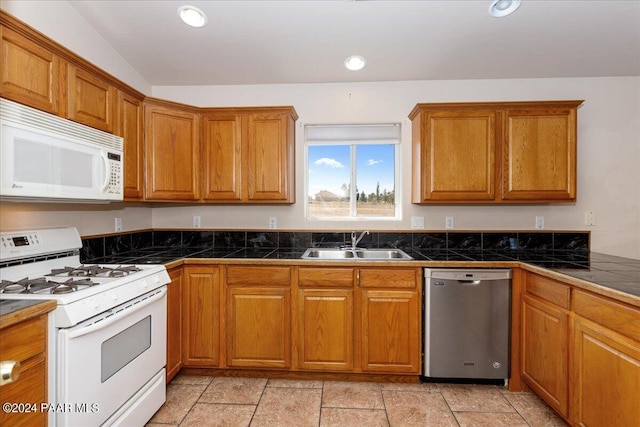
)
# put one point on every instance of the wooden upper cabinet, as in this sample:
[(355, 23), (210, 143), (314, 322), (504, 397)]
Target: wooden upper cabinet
[(30, 73), (131, 130), (269, 160), (513, 152), (539, 154), (171, 151), (221, 157), (456, 158), (248, 155), (91, 100)]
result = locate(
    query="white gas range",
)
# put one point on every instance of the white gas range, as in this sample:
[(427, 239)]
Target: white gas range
[(107, 336)]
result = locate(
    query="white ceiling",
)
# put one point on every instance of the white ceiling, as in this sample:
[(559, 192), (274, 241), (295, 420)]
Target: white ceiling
[(295, 41)]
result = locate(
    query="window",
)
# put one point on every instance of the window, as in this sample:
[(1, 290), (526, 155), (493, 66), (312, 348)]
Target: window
[(352, 171)]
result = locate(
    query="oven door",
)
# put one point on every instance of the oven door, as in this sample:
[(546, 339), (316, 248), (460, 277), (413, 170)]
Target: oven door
[(103, 362)]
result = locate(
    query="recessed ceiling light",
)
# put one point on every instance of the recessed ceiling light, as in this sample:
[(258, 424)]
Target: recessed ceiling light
[(500, 8), (355, 63), (192, 16)]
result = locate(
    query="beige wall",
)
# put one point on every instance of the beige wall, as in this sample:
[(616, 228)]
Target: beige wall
[(608, 153), (608, 147)]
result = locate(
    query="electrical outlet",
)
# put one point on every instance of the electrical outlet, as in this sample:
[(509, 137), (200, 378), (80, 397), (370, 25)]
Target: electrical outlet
[(589, 218), (272, 222), (118, 224), (196, 222), (417, 222), (539, 222), (448, 222)]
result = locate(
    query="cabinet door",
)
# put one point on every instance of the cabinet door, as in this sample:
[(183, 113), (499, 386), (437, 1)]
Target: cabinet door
[(269, 155), (606, 377), (174, 323), (325, 319), (539, 154), (390, 335), (30, 73), (201, 307), (544, 351), (91, 100), (171, 150), (606, 352), (221, 157), (457, 156), (259, 327), (130, 129)]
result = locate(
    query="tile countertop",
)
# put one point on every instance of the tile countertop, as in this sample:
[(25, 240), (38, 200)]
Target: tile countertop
[(616, 273), (15, 311)]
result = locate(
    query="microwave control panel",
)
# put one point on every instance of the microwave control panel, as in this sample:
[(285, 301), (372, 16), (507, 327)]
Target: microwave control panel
[(114, 186)]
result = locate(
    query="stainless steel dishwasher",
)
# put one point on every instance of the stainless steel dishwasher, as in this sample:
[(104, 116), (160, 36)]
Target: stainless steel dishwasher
[(467, 323)]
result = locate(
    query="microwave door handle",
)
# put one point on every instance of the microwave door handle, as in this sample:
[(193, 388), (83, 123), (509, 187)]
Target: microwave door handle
[(105, 323), (107, 172)]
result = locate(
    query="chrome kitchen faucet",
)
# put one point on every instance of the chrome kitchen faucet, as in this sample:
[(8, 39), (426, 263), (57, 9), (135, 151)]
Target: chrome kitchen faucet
[(355, 240)]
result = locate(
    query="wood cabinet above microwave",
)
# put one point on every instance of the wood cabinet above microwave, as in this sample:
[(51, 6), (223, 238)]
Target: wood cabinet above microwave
[(493, 152)]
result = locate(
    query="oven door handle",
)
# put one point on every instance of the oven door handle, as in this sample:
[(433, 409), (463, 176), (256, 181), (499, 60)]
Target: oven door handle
[(116, 317)]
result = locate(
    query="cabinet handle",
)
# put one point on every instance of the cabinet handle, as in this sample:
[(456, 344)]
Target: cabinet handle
[(358, 278), (9, 371)]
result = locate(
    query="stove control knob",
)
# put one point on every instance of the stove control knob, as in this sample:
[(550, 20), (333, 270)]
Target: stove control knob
[(93, 303), (144, 284), (113, 296)]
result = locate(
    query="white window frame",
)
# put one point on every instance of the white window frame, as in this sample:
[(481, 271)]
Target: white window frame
[(352, 135)]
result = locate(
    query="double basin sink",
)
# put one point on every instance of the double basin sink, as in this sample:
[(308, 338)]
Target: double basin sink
[(355, 254)]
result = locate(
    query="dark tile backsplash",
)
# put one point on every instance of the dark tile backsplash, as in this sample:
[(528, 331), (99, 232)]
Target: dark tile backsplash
[(167, 239), (230, 239), (498, 241)]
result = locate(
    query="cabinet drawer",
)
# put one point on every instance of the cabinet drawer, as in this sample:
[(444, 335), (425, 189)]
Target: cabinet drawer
[(23, 340), (335, 277), (610, 314), (549, 290), (405, 278), (30, 388), (252, 275)]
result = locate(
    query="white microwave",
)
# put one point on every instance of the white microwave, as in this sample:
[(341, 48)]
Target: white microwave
[(48, 158)]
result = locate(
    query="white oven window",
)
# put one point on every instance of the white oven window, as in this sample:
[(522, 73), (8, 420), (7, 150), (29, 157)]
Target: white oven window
[(119, 350)]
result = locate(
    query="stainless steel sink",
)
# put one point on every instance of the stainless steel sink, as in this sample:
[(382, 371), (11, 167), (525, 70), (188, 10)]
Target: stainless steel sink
[(358, 254)]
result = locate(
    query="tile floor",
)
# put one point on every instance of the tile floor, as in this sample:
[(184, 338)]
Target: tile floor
[(223, 401)]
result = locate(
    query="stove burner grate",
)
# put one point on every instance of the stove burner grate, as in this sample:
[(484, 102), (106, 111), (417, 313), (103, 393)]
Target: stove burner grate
[(94, 271), (42, 285)]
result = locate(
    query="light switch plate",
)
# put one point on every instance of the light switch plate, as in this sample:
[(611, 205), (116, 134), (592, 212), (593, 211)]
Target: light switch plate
[(273, 223), (539, 222), (196, 221), (118, 224)]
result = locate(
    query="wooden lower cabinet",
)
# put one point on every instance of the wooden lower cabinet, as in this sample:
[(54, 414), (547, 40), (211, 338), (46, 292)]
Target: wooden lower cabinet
[(201, 316), (259, 327), (258, 316), (372, 312), (25, 342), (606, 377), (325, 316), (390, 334), (321, 319), (174, 323), (544, 351)]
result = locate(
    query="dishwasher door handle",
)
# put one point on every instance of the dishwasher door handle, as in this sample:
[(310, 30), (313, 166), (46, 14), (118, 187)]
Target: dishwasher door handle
[(470, 282)]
